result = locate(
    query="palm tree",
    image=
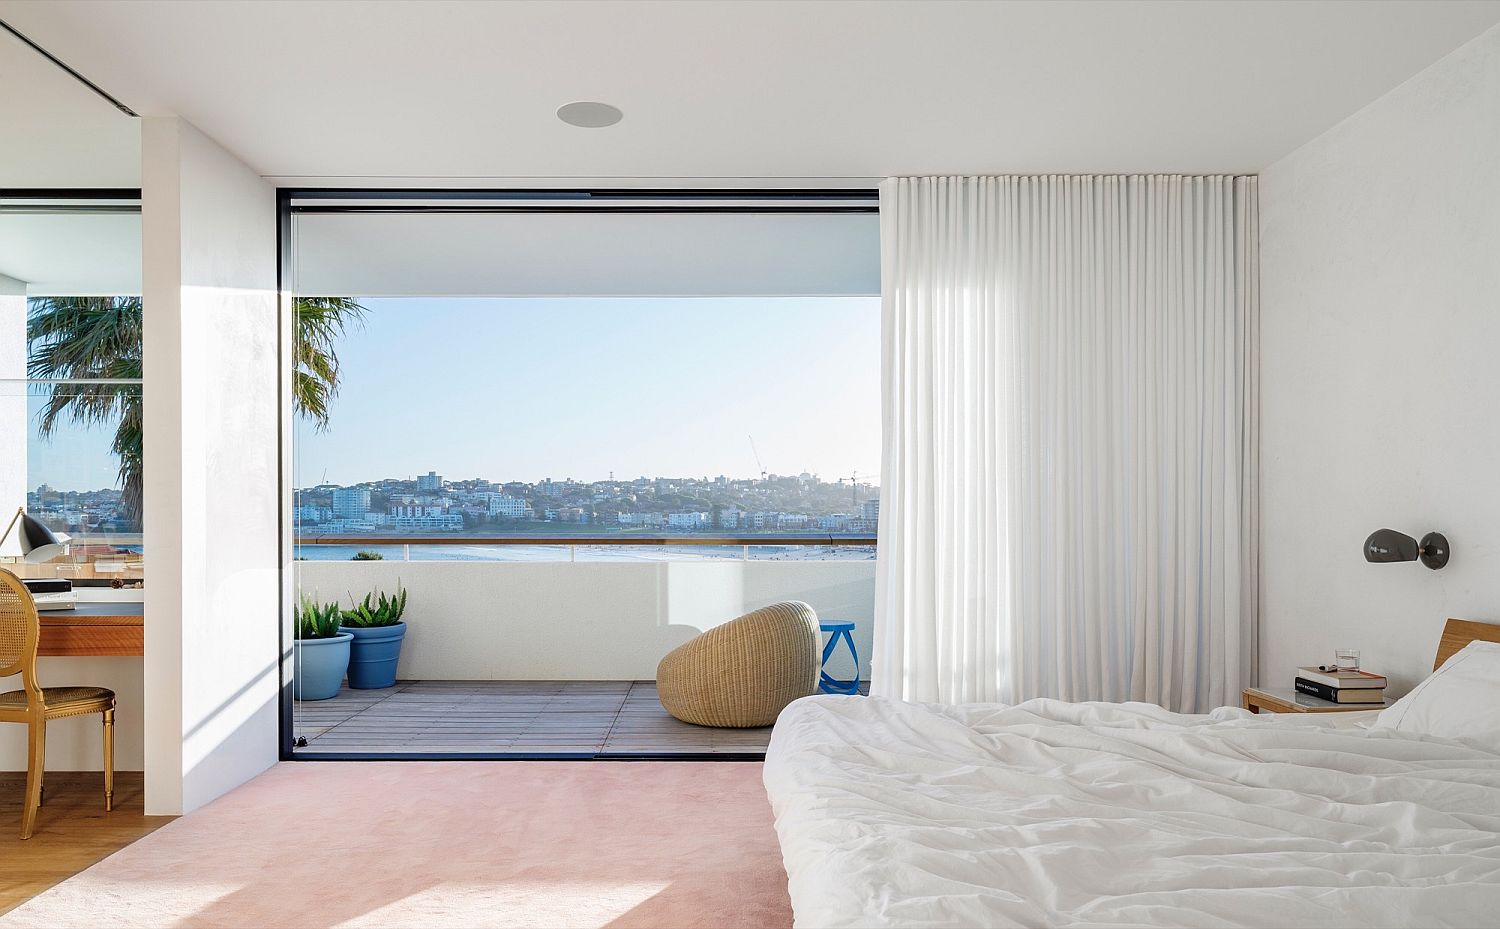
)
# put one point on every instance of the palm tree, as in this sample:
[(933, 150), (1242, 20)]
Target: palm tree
[(320, 322), (92, 339), (99, 339)]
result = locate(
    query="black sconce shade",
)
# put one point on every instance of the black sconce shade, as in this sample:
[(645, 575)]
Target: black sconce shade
[(1387, 545)]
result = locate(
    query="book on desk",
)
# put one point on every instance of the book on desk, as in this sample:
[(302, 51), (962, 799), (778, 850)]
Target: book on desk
[(51, 593)]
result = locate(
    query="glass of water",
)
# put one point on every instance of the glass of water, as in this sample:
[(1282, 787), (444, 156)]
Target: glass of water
[(1346, 659)]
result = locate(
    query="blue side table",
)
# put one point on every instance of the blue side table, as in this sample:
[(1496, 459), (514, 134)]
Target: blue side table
[(839, 630)]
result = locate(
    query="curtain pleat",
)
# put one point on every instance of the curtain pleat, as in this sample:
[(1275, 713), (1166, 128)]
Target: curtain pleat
[(1070, 401)]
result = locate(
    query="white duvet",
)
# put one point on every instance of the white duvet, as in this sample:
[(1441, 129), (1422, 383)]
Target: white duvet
[(1056, 814)]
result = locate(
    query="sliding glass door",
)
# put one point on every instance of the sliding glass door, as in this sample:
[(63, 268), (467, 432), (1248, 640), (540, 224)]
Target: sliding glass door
[(540, 440)]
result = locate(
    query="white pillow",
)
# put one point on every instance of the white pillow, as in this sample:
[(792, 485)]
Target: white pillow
[(1460, 700)]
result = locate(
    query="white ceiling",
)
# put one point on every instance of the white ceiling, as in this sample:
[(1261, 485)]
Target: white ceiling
[(54, 132), (735, 89), (72, 254)]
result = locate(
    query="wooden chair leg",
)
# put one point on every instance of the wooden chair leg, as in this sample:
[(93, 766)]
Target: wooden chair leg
[(34, 765), (109, 760)]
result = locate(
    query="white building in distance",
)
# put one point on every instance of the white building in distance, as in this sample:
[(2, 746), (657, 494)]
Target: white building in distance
[(351, 502), (509, 507)]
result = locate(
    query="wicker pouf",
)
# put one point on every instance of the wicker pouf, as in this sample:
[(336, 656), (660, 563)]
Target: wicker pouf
[(743, 673)]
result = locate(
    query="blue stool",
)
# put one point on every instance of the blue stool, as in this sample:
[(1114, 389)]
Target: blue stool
[(830, 685)]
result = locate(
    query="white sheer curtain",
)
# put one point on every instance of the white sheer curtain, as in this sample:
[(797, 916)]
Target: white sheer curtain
[(1069, 486)]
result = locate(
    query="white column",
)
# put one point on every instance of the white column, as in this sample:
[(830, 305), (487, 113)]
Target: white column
[(13, 426), (211, 468)]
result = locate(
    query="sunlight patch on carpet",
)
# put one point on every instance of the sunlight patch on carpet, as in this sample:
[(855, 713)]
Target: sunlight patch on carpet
[(564, 904)]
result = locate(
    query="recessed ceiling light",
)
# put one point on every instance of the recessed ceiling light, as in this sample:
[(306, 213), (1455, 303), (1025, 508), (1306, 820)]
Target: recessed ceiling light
[(589, 115)]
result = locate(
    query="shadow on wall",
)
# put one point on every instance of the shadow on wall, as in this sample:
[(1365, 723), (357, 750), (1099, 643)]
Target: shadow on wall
[(236, 741), (570, 621)]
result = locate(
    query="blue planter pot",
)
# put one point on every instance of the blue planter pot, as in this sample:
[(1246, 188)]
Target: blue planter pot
[(372, 662), (320, 666)]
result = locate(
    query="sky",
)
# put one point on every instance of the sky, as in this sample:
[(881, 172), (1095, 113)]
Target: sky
[(74, 457), (529, 388), (524, 389)]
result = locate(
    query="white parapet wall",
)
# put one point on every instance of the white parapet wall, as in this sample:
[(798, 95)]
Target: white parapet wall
[(472, 620)]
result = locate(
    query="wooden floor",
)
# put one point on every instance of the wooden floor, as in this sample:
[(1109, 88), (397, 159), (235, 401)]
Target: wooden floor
[(511, 717), (72, 830)]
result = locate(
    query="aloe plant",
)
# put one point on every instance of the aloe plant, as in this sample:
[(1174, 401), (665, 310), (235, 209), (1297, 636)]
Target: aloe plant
[(376, 609), (317, 620)]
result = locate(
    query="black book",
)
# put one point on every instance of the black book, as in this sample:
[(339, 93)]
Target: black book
[(1339, 694), (48, 585)]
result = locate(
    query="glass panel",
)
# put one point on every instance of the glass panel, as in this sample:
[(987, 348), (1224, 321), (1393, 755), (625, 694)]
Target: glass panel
[(309, 549), (527, 389), (660, 553), (70, 414), (569, 461), (80, 453), (811, 552)]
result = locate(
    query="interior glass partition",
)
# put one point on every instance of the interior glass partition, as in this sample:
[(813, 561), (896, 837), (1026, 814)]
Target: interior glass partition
[(71, 455), (566, 431)]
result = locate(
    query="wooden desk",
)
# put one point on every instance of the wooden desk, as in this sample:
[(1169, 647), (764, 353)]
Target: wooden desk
[(108, 629)]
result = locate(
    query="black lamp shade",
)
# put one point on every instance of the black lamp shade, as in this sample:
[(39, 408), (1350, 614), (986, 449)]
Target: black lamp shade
[(1387, 545), (1434, 550), (38, 543)]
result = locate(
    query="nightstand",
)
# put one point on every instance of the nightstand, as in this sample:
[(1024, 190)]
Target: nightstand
[(1287, 700)]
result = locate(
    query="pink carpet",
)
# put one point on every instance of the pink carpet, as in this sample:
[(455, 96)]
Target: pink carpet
[(449, 844)]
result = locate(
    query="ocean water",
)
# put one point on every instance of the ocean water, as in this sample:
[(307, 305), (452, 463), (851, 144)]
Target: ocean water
[(591, 553)]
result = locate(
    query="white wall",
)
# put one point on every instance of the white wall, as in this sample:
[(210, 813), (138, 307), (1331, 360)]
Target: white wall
[(586, 621), (14, 429), (1380, 267), (211, 468), (76, 743)]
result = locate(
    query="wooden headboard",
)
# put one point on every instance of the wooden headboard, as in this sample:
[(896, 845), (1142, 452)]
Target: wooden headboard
[(1460, 632)]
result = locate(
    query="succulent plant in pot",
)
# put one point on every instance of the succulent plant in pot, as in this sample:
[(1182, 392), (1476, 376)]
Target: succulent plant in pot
[(375, 623), (320, 649)]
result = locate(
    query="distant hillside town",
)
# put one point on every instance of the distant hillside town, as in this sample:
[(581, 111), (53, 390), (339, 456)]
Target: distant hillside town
[(79, 512), (429, 503)]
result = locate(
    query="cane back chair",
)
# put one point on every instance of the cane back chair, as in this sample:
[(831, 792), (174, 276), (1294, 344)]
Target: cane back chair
[(34, 705)]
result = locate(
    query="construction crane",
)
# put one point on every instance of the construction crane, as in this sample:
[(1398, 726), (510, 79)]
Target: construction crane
[(754, 451), (854, 485)]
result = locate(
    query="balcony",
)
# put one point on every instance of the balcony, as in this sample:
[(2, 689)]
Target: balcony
[(557, 653), (584, 718)]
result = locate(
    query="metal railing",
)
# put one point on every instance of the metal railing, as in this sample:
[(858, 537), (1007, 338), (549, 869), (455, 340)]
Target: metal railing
[(573, 543)]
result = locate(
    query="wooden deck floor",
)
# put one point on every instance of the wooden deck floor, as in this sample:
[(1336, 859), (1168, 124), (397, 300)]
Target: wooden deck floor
[(511, 717)]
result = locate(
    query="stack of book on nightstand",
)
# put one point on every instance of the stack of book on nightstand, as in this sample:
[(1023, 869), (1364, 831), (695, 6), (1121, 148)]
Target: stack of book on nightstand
[(1341, 686)]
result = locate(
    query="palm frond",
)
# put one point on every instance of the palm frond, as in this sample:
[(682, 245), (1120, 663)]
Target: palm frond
[(320, 323), (91, 338), (99, 338)]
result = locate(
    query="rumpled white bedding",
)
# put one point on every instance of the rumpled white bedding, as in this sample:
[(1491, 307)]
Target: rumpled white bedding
[(1096, 814)]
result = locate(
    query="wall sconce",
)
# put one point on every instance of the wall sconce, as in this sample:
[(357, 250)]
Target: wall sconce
[(1387, 545)]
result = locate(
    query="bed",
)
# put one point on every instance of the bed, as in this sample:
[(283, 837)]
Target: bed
[(1055, 814)]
